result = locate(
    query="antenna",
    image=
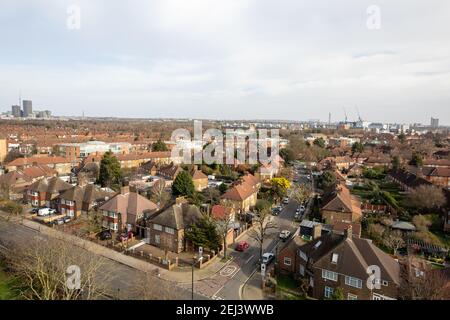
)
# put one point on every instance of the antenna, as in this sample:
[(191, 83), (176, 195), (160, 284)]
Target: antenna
[(345, 113), (20, 98), (329, 118)]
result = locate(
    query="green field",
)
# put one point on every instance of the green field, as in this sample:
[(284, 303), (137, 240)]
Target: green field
[(7, 285)]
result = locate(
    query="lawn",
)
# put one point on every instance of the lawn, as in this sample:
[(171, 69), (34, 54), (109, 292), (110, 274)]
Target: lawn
[(7, 284)]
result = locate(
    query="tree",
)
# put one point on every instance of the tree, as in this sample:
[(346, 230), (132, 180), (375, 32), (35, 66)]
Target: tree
[(376, 231), (262, 224), (395, 163), (223, 226), (212, 194), (402, 138), (14, 209), (319, 142), (338, 294), (12, 155), (287, 154), (183, 185), (426, 197), (357, 147), (280, 187), (159, 194), (394, 240), (416, 159), (159, 146), (223, 188), (327, 180), (110, 174), (300, 193), (421, 222), (42, 267), (204, 234)]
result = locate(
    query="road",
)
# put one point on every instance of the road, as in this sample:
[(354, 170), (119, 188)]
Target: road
[(121, 281)]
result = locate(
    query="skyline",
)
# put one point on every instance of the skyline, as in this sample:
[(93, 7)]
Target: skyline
[(235, 60)]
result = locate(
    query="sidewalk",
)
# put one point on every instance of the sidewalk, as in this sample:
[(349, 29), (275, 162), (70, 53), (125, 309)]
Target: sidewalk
[(251, 290), (180, 276)]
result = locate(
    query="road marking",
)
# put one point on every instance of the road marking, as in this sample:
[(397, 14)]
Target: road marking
[(248, 260), (228, 271)]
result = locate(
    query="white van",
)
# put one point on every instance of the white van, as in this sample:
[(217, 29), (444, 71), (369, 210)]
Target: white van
[(43, 212)]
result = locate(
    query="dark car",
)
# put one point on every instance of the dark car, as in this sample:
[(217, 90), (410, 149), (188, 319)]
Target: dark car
[(105, 235), (242, 246)]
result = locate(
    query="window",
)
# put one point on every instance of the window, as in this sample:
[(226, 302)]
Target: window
[(352, 297), (302, 270), (113, 226), (287, 261), (330, 275), (334, 258), (157, 239), (169, 230), (105, 213), (157, 227), (353, 282), (303, 256), (328, 292)]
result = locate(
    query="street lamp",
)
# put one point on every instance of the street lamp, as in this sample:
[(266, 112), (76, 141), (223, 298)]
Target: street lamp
[(193, 265)]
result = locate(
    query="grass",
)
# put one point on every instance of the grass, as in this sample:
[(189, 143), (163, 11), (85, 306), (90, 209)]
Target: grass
[(7, 286), (287, 282)]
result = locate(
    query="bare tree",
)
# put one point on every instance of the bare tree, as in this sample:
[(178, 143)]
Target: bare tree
[(223, 226), (394, 240), (47, 267), (159, 193), (262, 223), (427, 197), (300, 193)]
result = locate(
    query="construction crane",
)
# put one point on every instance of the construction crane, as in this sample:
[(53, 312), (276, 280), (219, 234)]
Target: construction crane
[(359, 116), (345, 113)]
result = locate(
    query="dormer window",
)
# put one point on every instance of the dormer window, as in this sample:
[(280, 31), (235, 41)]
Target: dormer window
[(334, 258)]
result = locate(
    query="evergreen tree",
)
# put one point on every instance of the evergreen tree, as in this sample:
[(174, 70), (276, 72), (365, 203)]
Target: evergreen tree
[(204, 234), (159, 146), (183, 185), (109, 174)]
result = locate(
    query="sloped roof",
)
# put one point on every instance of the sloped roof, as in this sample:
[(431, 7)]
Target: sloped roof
[(86, 194), (13, 177), (220, 212), (39, 171), (198, 175), (131, 205), (38, 160), (355, 255), (50, 185), (240, 192), (178, 216)]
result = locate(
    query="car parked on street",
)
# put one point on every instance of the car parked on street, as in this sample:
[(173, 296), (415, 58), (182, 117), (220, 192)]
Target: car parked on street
[(286, 200), (267, 258), (67, 219), (284, 235), (59, 221), (242, 246)]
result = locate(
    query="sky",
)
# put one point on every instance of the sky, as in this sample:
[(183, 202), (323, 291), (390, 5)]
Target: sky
[(233, 59)]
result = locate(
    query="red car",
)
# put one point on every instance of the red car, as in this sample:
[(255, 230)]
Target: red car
[(242, 246)]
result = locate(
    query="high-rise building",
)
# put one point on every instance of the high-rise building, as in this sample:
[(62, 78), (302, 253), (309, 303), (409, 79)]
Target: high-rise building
[(16, 112), (434, 122), (27, 108)]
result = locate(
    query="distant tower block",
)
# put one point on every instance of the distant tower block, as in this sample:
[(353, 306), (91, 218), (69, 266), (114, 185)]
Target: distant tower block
[(27, 108)]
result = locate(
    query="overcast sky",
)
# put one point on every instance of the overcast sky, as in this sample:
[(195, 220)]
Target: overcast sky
[(244, 59)]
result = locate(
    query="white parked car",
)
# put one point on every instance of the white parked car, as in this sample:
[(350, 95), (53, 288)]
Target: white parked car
[(44, 212), (284, 234), (286, 200), (267, 257)]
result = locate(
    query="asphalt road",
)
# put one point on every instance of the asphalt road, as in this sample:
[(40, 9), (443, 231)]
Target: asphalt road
[(121, 281)]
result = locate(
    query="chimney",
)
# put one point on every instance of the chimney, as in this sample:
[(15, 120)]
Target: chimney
[(125, 190), (348, 232), (317, 231)]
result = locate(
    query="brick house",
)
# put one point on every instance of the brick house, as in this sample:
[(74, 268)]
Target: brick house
[(169, 171), (125, 210), (60, 164), (45, 192), (80, 200), (167, 228), (340, 205), (334, 260), (199, 179), (241, 197)]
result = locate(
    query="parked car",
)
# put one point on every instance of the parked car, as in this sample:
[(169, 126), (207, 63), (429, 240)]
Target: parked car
[(286, 200), (242, 246), (59, 221), (67, 219), (34, 210), (105, 235), (301, 209), (52, 211), (42, 212), (267, 257), (284, 235), (276, 211)]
